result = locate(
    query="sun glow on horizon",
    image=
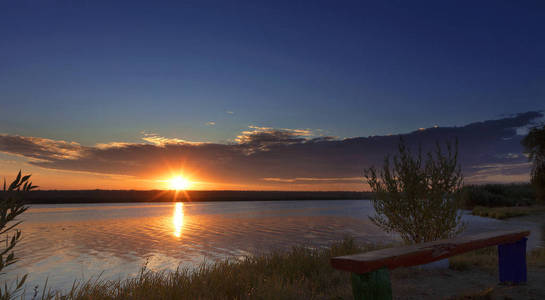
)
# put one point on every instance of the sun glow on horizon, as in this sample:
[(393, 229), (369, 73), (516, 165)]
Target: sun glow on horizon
[(179, 183)]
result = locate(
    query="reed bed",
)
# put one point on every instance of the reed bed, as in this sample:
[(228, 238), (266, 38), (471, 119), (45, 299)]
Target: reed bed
[(507, 212), (301, 273)]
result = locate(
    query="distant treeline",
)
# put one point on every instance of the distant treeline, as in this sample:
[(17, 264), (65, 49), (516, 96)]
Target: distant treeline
[(494, 195), (490, 195), (110, 196)]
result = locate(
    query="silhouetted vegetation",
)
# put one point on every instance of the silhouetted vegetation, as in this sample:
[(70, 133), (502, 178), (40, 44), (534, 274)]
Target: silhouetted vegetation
[(106, 196), (418, 198), (534, 144), (302, 273), (11, 206), (506, 212), (495, 195), (487, 258)]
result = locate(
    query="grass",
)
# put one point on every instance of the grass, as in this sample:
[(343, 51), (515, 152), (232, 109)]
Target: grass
[(497, 195), (501, 201), (482, 295), (302, 273), (507, 212), (487, 258)]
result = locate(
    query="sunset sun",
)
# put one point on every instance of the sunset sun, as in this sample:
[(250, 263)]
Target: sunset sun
[(179, 183)]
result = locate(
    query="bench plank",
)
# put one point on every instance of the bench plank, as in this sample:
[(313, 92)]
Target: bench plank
[(419, 254)]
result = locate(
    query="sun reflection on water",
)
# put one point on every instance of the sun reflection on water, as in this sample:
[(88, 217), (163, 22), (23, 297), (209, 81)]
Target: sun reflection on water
[(178, 219)]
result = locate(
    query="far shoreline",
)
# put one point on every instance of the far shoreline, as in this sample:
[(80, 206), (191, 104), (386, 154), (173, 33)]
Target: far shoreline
[(157, 196)]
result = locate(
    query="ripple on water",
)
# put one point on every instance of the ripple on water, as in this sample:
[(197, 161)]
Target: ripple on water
[(68, 242)]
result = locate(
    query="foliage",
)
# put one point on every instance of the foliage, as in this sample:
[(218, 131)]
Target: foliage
[(11, 207), (418, 198), (301, 273), (494, 195), (487, 258), (131, 196), (534, 144), (506, 212)]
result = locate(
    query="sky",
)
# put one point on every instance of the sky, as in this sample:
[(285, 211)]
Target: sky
[(247, 95)]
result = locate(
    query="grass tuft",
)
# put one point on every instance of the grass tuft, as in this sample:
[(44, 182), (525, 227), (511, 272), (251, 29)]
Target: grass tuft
[(506, 212), (481, 295), (487, 258), (301, 273)]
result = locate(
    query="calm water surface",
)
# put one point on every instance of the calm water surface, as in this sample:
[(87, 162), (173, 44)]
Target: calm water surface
[(80, 241)]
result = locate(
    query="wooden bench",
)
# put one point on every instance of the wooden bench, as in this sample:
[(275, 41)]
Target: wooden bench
[(370, 270)]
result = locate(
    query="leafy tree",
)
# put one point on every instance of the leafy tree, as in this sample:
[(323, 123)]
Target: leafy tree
[(12, 206), (534, 144), (418, 198)]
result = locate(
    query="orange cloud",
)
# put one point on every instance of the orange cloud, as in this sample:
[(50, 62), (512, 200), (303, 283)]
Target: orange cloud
[(269, 158)]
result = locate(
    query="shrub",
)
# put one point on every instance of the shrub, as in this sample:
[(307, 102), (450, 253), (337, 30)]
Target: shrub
[(493, 195), (11, 206), (534, 145), (500, 212), (418, 198)]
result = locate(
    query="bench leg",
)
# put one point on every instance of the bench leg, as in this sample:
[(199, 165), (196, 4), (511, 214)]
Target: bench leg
[(372, 285), (512, 262)]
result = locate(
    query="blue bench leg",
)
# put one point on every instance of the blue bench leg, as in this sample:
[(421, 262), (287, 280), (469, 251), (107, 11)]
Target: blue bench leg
[(512, 262), (372, 285)]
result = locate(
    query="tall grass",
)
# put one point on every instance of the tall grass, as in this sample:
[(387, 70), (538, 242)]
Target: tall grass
[(494, 195), (301, 273), (507, 212), (487, 258)]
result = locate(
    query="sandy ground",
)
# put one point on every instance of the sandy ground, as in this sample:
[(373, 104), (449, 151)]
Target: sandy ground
[(412, 283), (417, 283)]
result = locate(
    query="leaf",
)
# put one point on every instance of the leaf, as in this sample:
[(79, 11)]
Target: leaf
[(15, 183), (22, 281), (25, 178)]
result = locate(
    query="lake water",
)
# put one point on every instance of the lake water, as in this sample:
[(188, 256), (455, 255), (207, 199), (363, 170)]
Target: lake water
[(80, 241)]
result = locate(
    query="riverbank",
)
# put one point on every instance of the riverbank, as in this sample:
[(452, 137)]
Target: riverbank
[(134, 196), (305, 273), (508, 211)]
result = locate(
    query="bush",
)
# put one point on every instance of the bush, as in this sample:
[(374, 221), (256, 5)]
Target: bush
[(534, 146), (538, 181), (418, 199), (11, 206), (503, 212), (494, 195)]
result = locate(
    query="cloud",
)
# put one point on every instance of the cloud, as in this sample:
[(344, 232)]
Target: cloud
[(307, 179), (160, 140), (37, 148), (262, 138), (211, 123), (263, 156), (104, 146), (500, 172)]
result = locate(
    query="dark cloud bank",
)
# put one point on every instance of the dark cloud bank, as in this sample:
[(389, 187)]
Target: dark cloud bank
[(490, 151)]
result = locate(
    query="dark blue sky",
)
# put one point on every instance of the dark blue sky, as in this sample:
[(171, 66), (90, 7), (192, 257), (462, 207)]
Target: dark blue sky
[(95, 71)]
